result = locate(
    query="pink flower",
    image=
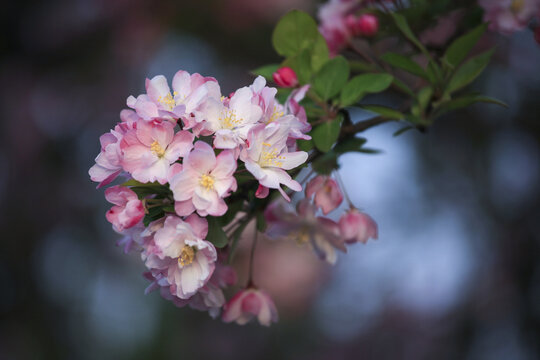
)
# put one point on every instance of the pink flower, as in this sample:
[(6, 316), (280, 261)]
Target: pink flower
[(507, 16), (328, 196), (267, 157), (285, 77), (249, 304), (188, 260), (356, 226), (204, 181), (333, 26), (231, 120), (150, 149), (128, 211), (109, 161), (189, 92), (319, 233)]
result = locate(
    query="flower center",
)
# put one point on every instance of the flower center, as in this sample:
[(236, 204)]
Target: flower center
[(186, 255), (157, 149), (276, 114), (270, 157), (207, 182), (168, 100), (228, 119), (517, 6)]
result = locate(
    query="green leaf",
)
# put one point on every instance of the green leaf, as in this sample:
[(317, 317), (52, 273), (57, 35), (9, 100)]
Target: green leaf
[(403, 87), (266, 71), (294, 32), (361, 85), (216, 235), (467, 100), (326, 163), (469, 71), (458, 50), (301, 64), (133, 182), (331, 78), (351, 144), (424, 96), (326, 134), (403, 130), (433, 72), (403, 26), (404, 63), (304, 145), (385, 112), (319, 53), (153, 214)]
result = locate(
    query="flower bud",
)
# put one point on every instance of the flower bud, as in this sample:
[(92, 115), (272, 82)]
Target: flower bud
[(356, 226), (366, 25), (328, 195), (285, 77)]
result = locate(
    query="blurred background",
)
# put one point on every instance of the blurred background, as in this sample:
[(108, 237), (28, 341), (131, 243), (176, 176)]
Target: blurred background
[(455, 273)]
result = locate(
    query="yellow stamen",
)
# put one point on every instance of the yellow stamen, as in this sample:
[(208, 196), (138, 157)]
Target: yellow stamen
[(270, 157), (207, 182), (157, 149), (228, 119), (186, 255), (168, 101), (517, 6), (275, 114)]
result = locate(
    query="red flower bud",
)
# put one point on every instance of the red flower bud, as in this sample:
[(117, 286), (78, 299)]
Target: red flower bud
[(285, 77), (366, 25)]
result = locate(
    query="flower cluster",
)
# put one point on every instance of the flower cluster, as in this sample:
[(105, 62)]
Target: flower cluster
[(508, 16), (181, 154), (339, 23), (320, 233)]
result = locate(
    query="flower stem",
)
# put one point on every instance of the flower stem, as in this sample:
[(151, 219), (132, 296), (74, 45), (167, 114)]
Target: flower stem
[(251, 256), (342, 184)]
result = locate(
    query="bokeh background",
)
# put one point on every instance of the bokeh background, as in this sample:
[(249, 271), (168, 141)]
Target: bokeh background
[(455, 273)]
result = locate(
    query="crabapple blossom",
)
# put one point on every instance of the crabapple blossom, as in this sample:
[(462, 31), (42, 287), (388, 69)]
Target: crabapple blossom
[(151, 148), (204, 181), (356, 226), (230, 120), (189, 260), (508, 16), (189, 91), (285, 77), (328, 196), (249, 304), (109, 161), (128, 209), (267, 157), (319, 233), (333, 26)]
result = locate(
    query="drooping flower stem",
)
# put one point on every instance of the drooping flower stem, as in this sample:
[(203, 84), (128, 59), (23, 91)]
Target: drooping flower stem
[(343, 188), (251, 257)]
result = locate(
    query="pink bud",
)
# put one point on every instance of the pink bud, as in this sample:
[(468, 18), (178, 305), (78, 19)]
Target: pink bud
[(366, 25), (285, 77), (128, 211), (262, 192), (356, 226), (328, 196), (249, 304)]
